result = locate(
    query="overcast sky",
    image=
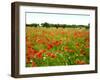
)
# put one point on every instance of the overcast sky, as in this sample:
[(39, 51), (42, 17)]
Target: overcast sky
[(57, 18)]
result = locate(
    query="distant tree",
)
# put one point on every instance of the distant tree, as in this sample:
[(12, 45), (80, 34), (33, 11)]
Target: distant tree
[(45, 24), (88, 26), (35, 25), (32, 25)]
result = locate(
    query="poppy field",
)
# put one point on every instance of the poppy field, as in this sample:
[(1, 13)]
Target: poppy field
[(56, 46)]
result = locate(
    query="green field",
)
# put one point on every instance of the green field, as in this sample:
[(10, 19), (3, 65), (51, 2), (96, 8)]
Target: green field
[(56, 46)]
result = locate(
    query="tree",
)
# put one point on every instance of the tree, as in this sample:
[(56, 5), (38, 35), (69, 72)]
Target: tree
[(45, 24)]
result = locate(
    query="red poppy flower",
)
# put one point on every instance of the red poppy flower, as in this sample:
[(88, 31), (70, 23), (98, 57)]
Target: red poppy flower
[(71, 51), (33, 64), (77, 45), (39, 55), (57, 43), (80, 62), (82, 52), (51, 55), (49, 46)]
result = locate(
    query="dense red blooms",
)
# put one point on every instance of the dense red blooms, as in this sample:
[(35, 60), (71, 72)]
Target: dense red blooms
[(57, 45), (31, 52)]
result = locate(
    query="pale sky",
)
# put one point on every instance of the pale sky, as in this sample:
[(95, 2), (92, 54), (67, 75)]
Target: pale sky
[(57, 18)]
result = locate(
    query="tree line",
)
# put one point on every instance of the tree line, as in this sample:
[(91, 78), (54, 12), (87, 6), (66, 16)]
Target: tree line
[(45, 24)]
